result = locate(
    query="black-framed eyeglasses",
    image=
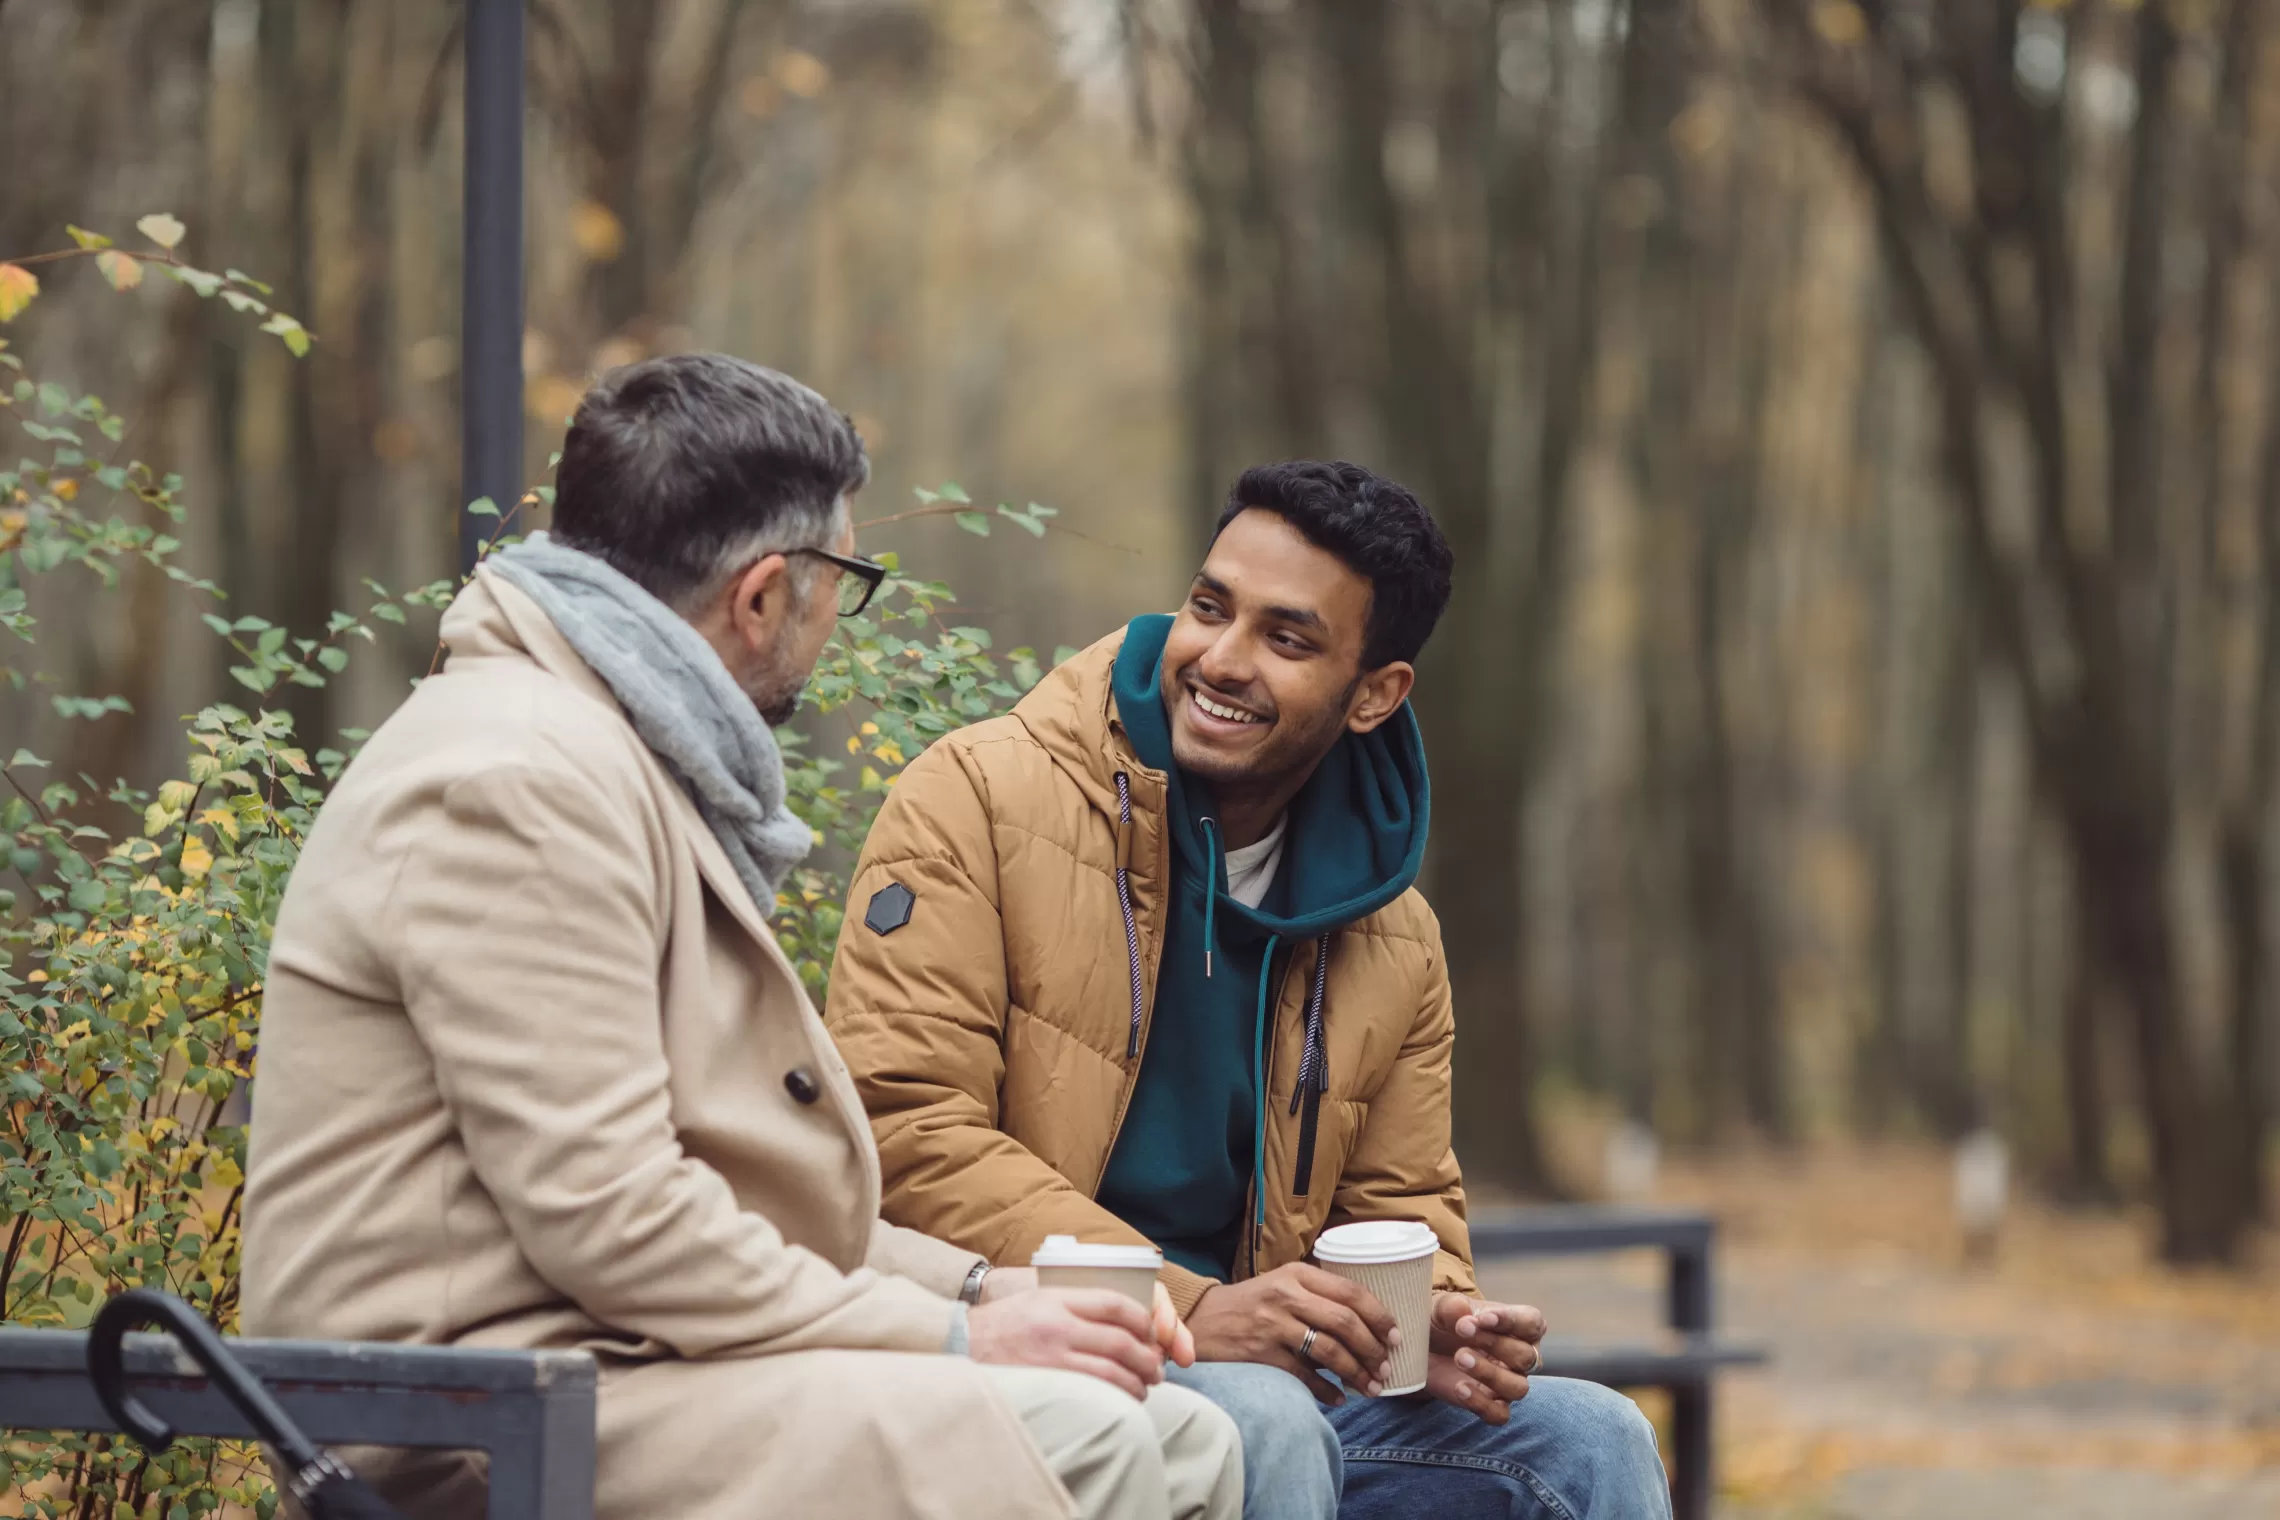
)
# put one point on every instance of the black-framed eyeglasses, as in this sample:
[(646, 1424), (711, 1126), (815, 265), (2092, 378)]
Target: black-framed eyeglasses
[(858, 578)]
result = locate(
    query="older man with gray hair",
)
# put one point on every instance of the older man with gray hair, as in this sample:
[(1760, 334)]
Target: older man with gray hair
[(535, 1073)]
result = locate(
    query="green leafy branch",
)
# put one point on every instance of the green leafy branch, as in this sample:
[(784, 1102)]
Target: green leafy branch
[(124, 271), (950, 500)]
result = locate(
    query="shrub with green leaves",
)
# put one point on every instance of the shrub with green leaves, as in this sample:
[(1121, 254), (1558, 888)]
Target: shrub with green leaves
[(913, 677), (135, 924)]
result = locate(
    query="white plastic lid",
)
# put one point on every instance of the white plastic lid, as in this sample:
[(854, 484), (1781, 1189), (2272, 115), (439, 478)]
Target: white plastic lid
[(1068, 1251), (1374, 1241)]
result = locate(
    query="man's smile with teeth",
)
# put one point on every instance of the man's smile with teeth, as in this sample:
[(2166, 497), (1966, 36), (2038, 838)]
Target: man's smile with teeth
[(1222, 711)]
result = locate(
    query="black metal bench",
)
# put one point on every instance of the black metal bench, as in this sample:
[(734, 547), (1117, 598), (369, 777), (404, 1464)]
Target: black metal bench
[(532, 1411), (1685, 1364)]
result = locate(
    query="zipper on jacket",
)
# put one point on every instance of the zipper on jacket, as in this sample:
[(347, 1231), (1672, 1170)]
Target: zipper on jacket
[(1124, 901), (1127, 844), (1313, 1071), (1253, 1216)]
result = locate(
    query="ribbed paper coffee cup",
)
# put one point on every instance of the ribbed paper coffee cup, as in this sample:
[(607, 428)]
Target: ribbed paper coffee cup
[(1393, 1258), (1064, 1261)]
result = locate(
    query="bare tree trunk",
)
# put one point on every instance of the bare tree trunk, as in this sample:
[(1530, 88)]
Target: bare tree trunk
[(2089, 1176), (1217, 378), (1481, 711), (2100, 733), (2242, 874)]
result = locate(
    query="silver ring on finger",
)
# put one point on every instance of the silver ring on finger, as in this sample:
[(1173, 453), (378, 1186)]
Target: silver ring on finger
[(1306, 1344)]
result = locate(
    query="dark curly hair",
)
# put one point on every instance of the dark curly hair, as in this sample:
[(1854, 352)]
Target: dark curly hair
[(1376, 527)]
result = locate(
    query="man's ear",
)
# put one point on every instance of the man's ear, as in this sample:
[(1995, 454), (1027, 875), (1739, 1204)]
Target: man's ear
[(1379, 694), (759, 598)]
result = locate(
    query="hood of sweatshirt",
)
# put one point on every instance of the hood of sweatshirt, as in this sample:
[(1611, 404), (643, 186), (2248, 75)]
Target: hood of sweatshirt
[(1356, 832)]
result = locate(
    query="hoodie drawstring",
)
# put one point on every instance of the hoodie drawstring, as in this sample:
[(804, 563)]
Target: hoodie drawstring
[(1124, 901), (1210, 886), (1314, 1058)]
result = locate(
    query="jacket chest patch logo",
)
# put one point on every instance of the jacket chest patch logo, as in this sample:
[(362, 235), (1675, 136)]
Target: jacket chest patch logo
[(890, 908)]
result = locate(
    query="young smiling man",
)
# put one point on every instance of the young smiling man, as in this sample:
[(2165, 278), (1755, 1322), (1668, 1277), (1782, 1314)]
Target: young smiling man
[(1143, 960)]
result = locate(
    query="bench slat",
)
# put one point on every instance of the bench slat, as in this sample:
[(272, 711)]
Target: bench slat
[(1575, 1228), (1691, 1361), (473, 1369)]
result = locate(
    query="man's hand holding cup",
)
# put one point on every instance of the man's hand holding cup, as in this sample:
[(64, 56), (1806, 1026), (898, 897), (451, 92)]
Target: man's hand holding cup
[(1303, 1320), (1090, 1330), (1483, 1354), (1090, 1288)]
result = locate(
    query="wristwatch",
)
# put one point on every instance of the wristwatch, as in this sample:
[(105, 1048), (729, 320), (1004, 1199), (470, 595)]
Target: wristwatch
[(971, 1293)]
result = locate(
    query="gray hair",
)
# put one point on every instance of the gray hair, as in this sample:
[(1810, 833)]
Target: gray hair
[(681, 470)]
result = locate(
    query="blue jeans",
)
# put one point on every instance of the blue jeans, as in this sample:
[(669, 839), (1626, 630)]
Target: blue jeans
[(1571, 1451)]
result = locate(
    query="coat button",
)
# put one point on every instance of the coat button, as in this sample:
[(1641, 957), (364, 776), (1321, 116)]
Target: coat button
[(801, 1084)]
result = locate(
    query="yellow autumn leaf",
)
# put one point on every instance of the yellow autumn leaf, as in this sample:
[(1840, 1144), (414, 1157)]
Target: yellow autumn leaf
[(1840, 22), (223, 819), (889, 751), (869, 728), (124, 271), (802, 74), (161, 228), (597, 232), (67, 489), (197, 860), (854, 745), (17, 287), (224, 1173)]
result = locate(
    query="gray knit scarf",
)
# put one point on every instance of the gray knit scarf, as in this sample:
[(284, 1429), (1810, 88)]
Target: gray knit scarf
[(682, 702)]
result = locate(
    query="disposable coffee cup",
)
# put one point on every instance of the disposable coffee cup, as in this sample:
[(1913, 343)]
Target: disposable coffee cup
[(1393, 1258), (1064, 1261)]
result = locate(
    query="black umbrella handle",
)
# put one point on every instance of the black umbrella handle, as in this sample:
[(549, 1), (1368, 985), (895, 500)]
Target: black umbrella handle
[(106, 1369)]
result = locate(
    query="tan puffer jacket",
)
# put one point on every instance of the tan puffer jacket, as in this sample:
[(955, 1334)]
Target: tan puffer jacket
[(989, 1032)]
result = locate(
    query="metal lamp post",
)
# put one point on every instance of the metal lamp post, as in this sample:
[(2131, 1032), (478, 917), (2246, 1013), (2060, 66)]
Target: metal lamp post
[(491, 278)]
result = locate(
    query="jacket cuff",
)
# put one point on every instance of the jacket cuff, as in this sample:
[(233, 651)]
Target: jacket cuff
[(1185, 1287), (935, 1265), (910, 1318), (1453, 1274)]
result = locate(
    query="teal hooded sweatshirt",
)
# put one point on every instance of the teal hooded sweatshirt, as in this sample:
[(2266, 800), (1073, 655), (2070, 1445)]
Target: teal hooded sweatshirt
[(1188, 1156)]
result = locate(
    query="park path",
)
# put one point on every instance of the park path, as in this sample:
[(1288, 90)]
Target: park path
[(2068, 1378)]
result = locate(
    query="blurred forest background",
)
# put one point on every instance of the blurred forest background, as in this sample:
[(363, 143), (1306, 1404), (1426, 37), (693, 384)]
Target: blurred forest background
[(1858, 422)]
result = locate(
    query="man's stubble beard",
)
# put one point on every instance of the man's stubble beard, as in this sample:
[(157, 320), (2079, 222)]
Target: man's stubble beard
[(777, 707), (774, 691)]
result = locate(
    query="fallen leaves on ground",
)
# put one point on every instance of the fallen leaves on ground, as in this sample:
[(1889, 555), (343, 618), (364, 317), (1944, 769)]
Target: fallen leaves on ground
[(2073, 1349)]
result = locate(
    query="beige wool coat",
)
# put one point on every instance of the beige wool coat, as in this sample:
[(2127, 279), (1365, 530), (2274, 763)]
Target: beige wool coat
[(534, 1073)]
